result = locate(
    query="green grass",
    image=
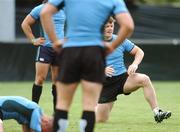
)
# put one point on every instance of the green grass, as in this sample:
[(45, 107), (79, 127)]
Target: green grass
[(130, 113)]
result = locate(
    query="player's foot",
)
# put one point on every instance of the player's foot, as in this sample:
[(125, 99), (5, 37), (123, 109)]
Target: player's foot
[(161, 115)]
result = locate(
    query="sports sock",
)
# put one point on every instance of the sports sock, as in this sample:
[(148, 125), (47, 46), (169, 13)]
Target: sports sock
[(156, 110), (60, 121), (1, 114), (87, 121), (36, 93), (54, 96)]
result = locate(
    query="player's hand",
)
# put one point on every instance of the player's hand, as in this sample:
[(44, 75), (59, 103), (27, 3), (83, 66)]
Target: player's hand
[(57, 45), (38, 41), (108, 48), (132, 69), (109, 71)]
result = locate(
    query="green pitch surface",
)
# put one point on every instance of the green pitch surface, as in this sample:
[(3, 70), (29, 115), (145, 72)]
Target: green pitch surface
[(130, 113)]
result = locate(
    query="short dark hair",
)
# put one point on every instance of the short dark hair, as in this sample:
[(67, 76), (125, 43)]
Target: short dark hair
[(111, 20)]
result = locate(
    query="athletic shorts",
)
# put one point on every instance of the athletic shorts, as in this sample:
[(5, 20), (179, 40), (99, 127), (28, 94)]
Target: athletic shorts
[(112, 87), (47, 55), (79, 63)]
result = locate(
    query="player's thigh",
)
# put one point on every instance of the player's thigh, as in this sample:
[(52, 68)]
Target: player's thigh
[(65, 93), (42, 69), (91, 92), (104, 108), (133, 82), (103, 111), (54, 73)]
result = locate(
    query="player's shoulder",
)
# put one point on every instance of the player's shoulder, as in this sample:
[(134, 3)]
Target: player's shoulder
[(37, 8), (114, 36), (127, 41), (14, 98)]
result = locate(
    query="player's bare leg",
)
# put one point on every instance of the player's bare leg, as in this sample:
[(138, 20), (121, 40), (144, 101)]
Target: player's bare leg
[(138, 80)]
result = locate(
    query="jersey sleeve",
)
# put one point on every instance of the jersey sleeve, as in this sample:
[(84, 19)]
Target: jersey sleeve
[(59, 4), (119, 7), (35, 123), (128, 45), (35, 13)]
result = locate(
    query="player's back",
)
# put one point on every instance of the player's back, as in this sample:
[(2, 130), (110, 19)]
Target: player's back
[(86, 18), (20, 100)]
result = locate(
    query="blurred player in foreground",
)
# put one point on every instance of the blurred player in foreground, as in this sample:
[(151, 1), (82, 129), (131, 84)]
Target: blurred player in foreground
[(26, 113), (46, 56), (120, 80), (83, 53)]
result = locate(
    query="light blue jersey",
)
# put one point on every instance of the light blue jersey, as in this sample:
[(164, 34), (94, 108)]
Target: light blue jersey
[(58, 19), (116, 59), (86, 19), (22, 110)]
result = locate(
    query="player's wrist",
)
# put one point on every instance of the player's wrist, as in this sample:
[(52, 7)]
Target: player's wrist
[(135, 65), (57, 43), (34, 41)]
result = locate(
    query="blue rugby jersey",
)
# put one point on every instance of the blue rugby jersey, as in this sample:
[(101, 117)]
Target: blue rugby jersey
[(58, 19), (86, 19), (22, 110), (116, 58)]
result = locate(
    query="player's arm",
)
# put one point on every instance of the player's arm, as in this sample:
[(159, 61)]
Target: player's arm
[(138, 56), (1, 126), (126, 24), (26, 27), (47, 23), (124, 20)]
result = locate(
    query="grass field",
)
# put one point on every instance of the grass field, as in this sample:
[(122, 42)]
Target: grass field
[(130, 114)]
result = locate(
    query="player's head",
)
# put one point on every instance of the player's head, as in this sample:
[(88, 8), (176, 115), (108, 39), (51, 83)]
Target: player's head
[(47, 124), (109, 28)]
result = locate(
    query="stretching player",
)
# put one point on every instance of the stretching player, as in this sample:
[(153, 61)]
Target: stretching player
[(120, 80)]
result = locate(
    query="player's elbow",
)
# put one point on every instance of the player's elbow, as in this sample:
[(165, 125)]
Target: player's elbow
[(23, 25), (129, 27), (140, 52)]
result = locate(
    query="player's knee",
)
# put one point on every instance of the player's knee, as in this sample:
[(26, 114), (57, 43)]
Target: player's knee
[(145, 79), (101, 119), (40, 80)]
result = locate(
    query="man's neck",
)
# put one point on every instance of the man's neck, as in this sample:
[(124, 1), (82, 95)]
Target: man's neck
[(108, 38)]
